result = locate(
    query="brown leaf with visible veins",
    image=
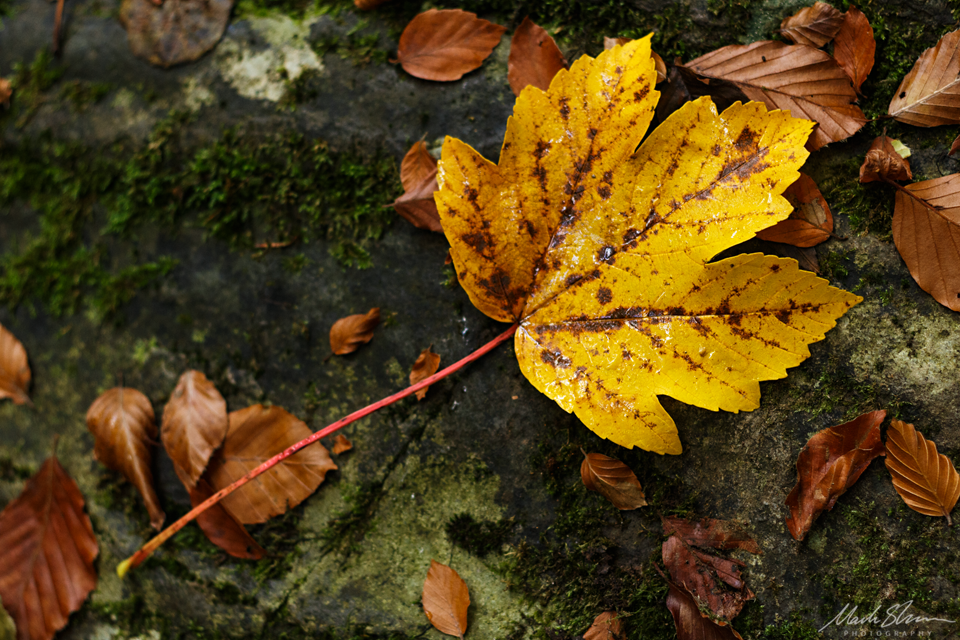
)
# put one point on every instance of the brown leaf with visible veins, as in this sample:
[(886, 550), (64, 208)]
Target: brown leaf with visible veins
[(884, 163), (418, 173), (803, 80), (347, 334), (926, 480), (255, 435), (174, 32), (426, 365), (613, 480), (194, 425), (854, 46), (222, 528), (926, 230), (341, 444), (709, 532), (606, 626), (713, 582), (47, 549), (810, 223), (444, 45), (417, 165), (930, 93), (690, 623), (446, 600), (122, 423), (828, 465), (14, 368), (534, 58), (813, 26)]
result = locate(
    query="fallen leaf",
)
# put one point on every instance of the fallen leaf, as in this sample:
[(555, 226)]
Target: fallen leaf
[(684, 85), (6, 91), (854, 47), (347, 334), (803, 80), (930, 93), (709, 532), (417, 165), (14, 368), (829, 464), (813, 26), (955, 146), (122, 423), (221, 527), (926, 230), (608, 277), (884, 162), (418, 173), (255, 435), (446, 600), (690, 623), (426, 365), (341, 444), (174, 32), (713, 582), (926, 480), (444, 45), (660, 66), (47, 549), (194, 425), (613, 480), (534, 58), (810, 223), (606, 626)]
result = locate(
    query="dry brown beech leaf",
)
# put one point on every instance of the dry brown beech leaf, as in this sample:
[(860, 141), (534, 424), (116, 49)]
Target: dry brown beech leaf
[(854, 47), (221, 527), (930, 93), (176, 31), (347, 334), (341, 444), (926, 480), (884, 163), (446, 600), (810, 223), (613, 480), (926, 230), (606, 626), (709, 532), (955, 146), (122, 423), (6, 91), (534, 58), (426, 365), (443, 45), (690, 623), (47, 549), (418, 173), (800, 79), (713, 582), (813, 26), (14, 369), (828, 465), (417, 165), (255, 435), (194, 425)]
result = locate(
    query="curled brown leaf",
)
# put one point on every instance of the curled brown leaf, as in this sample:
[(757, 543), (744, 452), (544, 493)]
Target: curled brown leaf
[(690, 623), (14, 368), (854, 46), (426, 365), (347, 334), (445, 44), (810, 223), (418, 174), (926, 480), (534, 58), (884, 163), (194, 425), (341, 444), (813, 26), (446, 600), (714, 582), (613, 480), (709, 532)]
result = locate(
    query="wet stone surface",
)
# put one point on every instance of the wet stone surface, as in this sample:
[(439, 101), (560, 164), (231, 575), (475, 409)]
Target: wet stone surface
[(483, 473)]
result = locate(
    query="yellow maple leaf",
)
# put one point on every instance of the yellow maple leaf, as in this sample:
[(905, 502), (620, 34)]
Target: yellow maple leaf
[(599, 249)]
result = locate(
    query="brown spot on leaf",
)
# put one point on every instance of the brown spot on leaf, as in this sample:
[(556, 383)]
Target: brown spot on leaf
[(604, 295)]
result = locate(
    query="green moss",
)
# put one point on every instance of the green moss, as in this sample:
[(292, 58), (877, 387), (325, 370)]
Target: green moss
[(81, 95), (29, 84), (797, 628), (479, 538), (360, 49)]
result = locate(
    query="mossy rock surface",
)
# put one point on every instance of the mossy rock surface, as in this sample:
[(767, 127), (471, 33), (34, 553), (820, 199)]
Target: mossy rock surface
[(221, 215)]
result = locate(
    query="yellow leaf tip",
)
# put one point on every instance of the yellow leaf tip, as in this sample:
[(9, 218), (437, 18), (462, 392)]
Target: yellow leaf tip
[(123, 567)]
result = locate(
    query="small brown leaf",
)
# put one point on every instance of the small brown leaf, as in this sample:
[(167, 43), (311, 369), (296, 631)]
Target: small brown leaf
[(255, 435), (606, 626), (174, 32), (828, 465), (417, 165), (854, 46), (347, 334), (810, 223), (446, 600), (6, 91), (418, 173), (444, 45), (47, 549), (426, 365), (926, 480), (613, 480), (955, 146), (534, 58), (221, 528), (813, 26), (341, 444), (930, 93), (122, 423), (884, 163), (194, 426), (14, 368), (708, 532), (714, 582), (690, 623)]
